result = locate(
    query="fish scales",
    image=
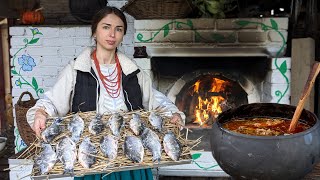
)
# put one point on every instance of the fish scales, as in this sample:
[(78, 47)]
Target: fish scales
[(151, 141), (52, 131), (109, 146), (172, 146), (67, 154), (156, 121), (76, 127), (86, 149), (136, 124), (116, 123), (47, 158), (133, 149), (96, 125)]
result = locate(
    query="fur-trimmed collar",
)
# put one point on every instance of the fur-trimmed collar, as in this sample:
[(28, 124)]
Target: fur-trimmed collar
[(84, 62)]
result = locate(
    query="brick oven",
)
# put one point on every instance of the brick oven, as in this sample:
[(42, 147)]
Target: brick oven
[(206, 66), (203, 65)]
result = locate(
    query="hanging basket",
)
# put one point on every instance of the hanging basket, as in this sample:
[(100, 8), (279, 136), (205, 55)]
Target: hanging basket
[(84, 10), (21, 108), (158, 9)]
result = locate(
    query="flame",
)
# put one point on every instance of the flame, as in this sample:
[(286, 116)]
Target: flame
[(209, 106), (218, 85), (196, 86)]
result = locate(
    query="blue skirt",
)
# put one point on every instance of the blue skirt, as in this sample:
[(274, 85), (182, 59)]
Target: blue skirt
[(140, 174)]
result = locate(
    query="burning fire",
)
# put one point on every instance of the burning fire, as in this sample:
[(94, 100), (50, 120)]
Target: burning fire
[(209, 106)]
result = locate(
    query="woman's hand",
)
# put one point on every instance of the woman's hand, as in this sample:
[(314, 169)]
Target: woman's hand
[(39, 123), (176, 119)]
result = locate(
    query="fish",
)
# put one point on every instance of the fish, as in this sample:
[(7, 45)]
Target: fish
[(151, 141), (109, 146), (76, 127), (96, 125), (133, 149), (87, 148), (172, 146), (67, 154), (46, 159), (52, 131), (116, 123), (156, 121), (136, 124)]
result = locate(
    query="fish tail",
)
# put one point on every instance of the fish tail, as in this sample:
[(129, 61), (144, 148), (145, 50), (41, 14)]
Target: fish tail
[(58, 120), (69, 171)]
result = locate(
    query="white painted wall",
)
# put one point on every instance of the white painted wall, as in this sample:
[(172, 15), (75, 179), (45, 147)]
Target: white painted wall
[(52, 52)]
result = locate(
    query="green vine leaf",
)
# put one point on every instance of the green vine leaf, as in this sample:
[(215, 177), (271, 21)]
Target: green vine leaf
[(34, 83), (166, 30), (217, 37), (264, 27), (14, 72), (283, 67), (34, 41), (242, 23), (196, 156), (197, 37), (274, 24), (190, 24)]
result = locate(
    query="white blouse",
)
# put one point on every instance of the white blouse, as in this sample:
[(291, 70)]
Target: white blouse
[(108, 104)]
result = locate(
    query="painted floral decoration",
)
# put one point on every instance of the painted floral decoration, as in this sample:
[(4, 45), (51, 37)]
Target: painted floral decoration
[(26, 63)]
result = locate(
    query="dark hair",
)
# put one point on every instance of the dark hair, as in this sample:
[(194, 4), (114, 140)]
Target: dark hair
[(103, 13)]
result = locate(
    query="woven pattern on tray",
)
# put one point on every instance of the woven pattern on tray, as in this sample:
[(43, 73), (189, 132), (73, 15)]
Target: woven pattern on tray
[(102, 163)]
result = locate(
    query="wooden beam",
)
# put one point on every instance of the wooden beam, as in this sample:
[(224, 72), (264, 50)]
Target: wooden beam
[(2, 90), (7, 74), (302, 59)]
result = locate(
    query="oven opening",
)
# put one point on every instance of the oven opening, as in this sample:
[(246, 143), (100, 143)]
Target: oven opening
[(204, 87), (205, 97)]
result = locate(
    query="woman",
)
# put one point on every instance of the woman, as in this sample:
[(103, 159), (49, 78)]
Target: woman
[(105, 80)]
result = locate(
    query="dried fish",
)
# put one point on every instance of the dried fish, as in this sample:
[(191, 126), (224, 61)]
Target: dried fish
[(109, 146), (76, 127), (116, 123), (52, 131), (96, 125), (67, 154), (133, 148), (156, 121), (136, 124), (151, 141), (46, 159), (86, 149), (172, 146)]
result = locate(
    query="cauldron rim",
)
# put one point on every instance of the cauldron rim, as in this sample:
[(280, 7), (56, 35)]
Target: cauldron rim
[(266, 157), (313, 128)]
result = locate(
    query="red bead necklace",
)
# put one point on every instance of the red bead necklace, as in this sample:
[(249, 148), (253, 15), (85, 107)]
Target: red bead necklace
[(114, 82)]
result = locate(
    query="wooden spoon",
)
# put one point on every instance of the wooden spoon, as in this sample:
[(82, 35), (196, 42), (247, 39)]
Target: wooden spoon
[(307, 89)]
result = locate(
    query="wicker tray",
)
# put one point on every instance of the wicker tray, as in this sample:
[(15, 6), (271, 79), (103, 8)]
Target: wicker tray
[(158, 9), (121, 163), (21, 107)]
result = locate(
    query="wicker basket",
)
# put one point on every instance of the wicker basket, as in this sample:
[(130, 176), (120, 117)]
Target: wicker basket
[(158, 9), (21, 108)]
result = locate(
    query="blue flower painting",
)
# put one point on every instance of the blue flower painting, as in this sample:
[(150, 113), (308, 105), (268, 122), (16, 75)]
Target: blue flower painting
[(26, 62), (18, 83)]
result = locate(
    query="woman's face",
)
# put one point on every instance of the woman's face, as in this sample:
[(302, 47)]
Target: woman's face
[(110, 32)]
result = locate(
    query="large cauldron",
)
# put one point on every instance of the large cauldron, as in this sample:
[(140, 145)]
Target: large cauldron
[(266, 157)]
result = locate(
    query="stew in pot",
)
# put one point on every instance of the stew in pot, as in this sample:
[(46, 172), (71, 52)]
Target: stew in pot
[(263, 126)]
